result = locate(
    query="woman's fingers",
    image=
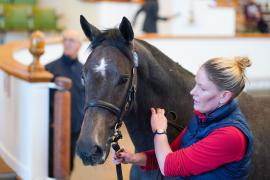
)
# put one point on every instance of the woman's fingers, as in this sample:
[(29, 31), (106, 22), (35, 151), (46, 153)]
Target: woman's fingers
[(158, 119), (161, 111), (117, 159), (121, 156), (157, 111), (118, 153), (153, 110)]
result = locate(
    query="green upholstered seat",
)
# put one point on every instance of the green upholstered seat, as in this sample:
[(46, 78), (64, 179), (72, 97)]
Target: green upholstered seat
[(4, 1), (32, 2), (44, 19), (16, 17)]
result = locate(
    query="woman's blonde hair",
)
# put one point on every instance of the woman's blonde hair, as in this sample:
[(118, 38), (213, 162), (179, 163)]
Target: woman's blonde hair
[(228, 74)]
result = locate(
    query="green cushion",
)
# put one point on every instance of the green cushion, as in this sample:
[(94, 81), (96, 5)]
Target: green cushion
[(1, 17), (44, 19), (16, 17), (32, 2), (4, 1)]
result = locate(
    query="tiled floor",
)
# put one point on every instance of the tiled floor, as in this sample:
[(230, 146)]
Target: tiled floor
[(81, 172)]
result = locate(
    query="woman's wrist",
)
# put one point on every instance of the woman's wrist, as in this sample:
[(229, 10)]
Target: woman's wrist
[(160, 131), (138, 159), (132, 159)]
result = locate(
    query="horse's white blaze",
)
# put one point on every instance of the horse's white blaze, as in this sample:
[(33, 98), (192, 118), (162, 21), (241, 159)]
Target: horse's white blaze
[(101, 67)]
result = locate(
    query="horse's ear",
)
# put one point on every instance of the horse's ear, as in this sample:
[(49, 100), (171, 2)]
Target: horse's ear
[(126, 29), (90, 31)]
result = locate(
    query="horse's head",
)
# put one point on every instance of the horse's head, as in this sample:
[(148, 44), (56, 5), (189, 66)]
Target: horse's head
[(108, 77)]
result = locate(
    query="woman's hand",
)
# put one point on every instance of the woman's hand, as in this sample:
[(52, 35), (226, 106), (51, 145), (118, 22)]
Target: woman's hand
[(158, 119), (125, 157), (122, 156), (162, 147)]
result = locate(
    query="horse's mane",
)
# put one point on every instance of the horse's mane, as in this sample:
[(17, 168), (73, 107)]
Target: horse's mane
[(160, 56)]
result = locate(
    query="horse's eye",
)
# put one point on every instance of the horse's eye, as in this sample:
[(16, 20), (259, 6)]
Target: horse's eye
[(123, 79)]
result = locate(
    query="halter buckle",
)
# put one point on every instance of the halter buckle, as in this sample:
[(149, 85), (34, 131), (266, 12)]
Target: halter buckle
[(116, 136)]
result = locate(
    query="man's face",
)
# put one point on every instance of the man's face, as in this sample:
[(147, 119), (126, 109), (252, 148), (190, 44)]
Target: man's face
[(71, 44), (252, 1)]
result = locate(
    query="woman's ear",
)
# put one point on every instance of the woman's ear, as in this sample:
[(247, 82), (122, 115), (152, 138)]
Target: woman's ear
[(225, 97)]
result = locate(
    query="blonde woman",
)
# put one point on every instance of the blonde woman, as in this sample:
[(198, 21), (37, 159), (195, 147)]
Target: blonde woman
[(217, 142)]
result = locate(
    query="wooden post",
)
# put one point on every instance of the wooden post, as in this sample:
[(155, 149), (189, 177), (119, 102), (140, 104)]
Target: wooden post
[(62, 108)]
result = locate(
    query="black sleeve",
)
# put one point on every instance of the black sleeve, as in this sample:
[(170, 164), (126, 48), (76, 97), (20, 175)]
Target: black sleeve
[(137, 14)]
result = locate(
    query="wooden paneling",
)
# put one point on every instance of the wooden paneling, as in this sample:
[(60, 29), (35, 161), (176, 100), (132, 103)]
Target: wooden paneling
[(227, 3), (134, 1), (166, 36)]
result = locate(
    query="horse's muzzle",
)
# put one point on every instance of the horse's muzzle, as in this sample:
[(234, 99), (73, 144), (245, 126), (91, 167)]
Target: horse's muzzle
[(93, 155)]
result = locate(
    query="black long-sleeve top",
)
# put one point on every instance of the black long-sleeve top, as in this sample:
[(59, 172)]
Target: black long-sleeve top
[(150, 8), (69, 68)]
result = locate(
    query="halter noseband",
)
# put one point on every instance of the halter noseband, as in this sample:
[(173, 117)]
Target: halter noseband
[(105, 105)]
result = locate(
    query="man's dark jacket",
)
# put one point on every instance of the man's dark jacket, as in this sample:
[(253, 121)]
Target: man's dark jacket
[(67, 67)]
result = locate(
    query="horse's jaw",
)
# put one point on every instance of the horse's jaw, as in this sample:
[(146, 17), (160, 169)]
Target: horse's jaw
[(93, 160)]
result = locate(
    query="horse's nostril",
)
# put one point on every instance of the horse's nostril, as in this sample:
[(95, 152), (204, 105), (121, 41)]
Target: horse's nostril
[(84, 154), (96, 150)]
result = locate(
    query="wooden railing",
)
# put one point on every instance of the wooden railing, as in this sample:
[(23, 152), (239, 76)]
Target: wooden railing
[(14, 68), (135, 1), (227, 3), (33, 73)]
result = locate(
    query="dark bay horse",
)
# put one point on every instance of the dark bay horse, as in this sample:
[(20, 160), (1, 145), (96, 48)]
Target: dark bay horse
[(124, 77)]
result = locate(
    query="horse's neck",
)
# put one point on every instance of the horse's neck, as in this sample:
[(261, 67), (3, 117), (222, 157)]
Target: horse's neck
[(167, 85), (163, 82), (160, 84)]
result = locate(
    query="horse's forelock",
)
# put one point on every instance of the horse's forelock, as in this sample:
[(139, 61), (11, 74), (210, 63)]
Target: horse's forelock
[(112, 37)]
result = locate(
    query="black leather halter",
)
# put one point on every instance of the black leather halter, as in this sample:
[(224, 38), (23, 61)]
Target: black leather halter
[(119, 112)]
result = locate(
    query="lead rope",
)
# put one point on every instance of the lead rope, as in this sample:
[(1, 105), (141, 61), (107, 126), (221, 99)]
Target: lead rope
[(119, 173), (116, 136)]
